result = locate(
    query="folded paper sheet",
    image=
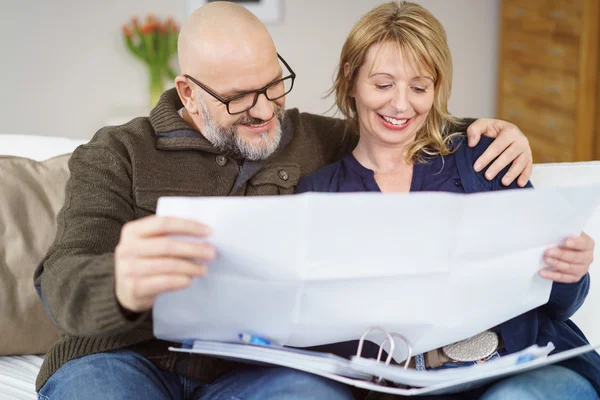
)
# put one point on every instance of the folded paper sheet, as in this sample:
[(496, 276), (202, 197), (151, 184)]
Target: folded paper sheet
[(321, 268)]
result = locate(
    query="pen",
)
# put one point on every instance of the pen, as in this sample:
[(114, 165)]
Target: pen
[(524, 358), (251, 339)]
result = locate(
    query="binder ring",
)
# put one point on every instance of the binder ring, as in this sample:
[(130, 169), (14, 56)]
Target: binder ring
[(392, 348), (388, 337)]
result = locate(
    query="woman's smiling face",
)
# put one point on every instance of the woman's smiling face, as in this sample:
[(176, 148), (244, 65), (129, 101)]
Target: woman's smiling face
[(393, 98)]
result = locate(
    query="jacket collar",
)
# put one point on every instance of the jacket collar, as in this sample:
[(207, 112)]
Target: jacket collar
[(172, 132)]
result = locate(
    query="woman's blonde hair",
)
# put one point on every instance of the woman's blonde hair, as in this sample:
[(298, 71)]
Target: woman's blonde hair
[(421, 39)]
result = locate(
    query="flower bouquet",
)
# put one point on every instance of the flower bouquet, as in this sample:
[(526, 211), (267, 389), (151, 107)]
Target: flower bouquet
[(153, 43)]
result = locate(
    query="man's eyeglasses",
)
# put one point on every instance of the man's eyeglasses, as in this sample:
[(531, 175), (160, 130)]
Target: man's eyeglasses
[(245, 101)]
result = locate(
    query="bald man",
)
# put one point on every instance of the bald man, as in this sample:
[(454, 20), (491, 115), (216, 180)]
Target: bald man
[(222, 132)]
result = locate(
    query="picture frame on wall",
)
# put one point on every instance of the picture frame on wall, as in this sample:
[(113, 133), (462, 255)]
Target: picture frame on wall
[(268, 11)]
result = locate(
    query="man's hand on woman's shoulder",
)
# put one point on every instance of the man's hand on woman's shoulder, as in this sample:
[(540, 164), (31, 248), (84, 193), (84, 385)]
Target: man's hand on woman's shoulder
[(510, 146)]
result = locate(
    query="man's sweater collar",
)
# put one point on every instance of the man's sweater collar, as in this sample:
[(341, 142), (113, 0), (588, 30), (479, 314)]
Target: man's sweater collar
[(172, 132)]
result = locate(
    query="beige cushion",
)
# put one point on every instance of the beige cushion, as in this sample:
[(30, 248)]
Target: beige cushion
[(31, 194)]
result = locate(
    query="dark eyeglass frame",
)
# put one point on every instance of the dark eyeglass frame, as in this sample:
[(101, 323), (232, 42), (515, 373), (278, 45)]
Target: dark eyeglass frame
[(257, 92)]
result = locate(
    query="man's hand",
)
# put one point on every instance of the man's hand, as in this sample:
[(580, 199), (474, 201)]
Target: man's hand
[(148, 261), (570, 262), (510, 145)]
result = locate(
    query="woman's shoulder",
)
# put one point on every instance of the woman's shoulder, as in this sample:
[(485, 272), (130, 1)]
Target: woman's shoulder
[(461, 147), (466, 158), (319, 181), (476, 151)]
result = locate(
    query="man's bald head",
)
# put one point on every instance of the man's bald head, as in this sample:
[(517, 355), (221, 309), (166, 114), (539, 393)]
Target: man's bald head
[(222, 33), (226, 54)]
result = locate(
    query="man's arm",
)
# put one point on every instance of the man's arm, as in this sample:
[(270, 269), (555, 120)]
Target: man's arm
[(335, 137), (76, 279), (105, 269)]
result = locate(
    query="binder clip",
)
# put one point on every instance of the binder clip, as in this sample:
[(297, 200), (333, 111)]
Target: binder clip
[(389, 337), (408, 346)]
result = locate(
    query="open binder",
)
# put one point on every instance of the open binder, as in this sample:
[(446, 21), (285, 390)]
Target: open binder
[(382, 375)]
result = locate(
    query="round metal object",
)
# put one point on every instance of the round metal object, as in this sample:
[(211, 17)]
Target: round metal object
[(474, 348)]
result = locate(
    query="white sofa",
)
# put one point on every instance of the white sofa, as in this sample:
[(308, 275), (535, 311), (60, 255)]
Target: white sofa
[(18, 373)]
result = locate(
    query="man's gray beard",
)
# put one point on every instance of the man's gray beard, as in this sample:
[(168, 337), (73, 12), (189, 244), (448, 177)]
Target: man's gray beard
[(228, 142)]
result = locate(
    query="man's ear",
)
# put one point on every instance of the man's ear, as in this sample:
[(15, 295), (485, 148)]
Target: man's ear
[(185, 94), (347, 76)]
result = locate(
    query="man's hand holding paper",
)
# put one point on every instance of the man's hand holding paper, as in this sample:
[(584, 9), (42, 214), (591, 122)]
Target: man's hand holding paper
[(149, 261)]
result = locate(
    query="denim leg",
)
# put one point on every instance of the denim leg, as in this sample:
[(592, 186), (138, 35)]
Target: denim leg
[(548, 383), (115, 375), (263, 383)]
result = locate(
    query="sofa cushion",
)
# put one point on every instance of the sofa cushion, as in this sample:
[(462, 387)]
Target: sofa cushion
[(31, 194)]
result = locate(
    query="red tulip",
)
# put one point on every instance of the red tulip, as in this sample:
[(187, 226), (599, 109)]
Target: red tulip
[(127, 32)]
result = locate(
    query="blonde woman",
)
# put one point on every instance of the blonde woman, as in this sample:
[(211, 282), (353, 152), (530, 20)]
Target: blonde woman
[(393, 86)]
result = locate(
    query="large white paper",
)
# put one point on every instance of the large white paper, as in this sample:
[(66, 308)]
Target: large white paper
[(320, 268)]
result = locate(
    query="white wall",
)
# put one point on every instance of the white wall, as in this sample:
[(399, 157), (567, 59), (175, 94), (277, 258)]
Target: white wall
[(65, 71)]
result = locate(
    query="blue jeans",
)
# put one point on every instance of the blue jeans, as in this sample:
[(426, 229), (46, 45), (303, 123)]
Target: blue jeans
[(124, 374), (548, 383)]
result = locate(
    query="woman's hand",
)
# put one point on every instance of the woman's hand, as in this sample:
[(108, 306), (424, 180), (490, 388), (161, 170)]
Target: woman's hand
[(510, 146), (570, 262)]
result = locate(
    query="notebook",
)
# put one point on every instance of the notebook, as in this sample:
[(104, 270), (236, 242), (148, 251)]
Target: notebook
[(383, 376), (309, 361)]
